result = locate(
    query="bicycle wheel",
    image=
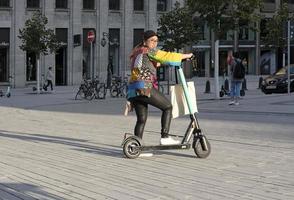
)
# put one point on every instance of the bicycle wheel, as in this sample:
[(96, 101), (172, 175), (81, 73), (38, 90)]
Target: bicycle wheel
[(114, 91), (101, 93), (123, 91), (90, 94), (80, 94)]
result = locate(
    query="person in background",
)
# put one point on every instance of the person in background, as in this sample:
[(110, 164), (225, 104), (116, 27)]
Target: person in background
[(235, 82), (49, 79), (143, 87), (109, 72)]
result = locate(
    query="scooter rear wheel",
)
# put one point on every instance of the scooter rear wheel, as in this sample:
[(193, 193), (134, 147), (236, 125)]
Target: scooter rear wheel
[(198, 146), (130, 148)]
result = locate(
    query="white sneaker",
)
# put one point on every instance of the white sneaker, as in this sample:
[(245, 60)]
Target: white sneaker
[(232, 103), (236, 103), (146, 155), (169, 141)]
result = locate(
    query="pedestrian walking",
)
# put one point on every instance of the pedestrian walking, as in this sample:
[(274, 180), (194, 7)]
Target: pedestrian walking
[(237, 74), (49, 79), (143, 85), (109, 72)]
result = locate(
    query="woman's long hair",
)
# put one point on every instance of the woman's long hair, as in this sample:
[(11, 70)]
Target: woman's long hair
[(136, 49)]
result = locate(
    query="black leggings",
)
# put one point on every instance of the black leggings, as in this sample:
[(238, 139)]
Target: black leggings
[(157, 100), (49, 82)]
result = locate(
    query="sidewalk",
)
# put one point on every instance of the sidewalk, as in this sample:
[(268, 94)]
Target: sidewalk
[(253, 101), (55, 148)]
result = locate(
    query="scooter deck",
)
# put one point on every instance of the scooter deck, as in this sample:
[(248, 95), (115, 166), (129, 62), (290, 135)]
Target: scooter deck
[(165, 147)]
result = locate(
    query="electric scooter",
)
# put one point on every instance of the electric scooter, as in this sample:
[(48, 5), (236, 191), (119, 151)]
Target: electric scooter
[(133, 145)]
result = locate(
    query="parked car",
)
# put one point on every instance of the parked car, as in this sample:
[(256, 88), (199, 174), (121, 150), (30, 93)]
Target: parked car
[(278, 82)]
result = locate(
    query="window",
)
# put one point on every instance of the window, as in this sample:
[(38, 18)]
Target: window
[(114, 5), (89, 4), (243, 30), (113, 51), (33, 4), (4, 3), (263, 30), (61, 4), (61, 34), (31, 64), (161, 5), (138, 36), (138, 5)]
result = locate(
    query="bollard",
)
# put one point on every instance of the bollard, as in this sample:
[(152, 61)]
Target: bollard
[(207, 87), (244, 84), (259, 82), (227, 85)]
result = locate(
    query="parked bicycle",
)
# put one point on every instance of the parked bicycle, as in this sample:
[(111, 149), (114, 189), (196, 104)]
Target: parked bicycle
[(118, 87), (8, 92), (91, 89)]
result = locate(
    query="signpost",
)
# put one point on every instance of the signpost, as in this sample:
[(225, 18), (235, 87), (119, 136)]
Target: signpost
[(91, 38), (289, 71)]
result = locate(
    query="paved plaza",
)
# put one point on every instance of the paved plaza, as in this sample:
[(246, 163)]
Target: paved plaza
[(54, 147)]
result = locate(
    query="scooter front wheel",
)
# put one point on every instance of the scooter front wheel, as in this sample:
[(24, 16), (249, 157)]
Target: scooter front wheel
[(130, 148), (201, 146)]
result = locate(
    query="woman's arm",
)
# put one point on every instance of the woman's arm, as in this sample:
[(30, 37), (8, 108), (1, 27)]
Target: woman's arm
[(168, 58)]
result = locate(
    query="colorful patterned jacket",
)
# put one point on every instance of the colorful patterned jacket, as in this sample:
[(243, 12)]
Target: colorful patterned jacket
[(143, 69)]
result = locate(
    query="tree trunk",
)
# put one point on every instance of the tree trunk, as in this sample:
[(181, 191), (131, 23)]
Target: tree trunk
[(38, 74), (216, 69), (236, 37)]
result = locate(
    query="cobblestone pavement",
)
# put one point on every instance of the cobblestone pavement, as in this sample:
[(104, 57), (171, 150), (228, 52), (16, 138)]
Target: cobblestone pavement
[(53, 147)]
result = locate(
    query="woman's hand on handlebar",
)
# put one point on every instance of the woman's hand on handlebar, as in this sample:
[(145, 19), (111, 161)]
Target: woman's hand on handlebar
[(187, 56)]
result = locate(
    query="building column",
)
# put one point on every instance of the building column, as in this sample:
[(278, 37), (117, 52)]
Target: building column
[(102, 52), (75, 53), (17, 56)]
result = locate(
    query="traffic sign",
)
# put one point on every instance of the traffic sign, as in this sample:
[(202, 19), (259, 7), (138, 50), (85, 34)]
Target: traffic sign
[(91, 36)]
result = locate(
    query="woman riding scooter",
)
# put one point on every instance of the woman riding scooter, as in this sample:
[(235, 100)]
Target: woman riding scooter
[(143, 87)]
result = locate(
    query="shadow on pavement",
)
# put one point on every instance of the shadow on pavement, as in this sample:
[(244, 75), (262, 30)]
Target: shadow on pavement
[(24, 191), (79, 144)]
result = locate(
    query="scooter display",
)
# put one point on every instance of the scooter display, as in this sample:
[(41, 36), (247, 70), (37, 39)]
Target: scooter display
[(133, 145)]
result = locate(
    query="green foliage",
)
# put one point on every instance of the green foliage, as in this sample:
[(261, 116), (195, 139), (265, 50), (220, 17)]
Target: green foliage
[(36, 37), (224, 15), (176, 28), (276, 28)]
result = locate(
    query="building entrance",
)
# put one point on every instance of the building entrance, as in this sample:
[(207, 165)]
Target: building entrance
[(4, 72), (61, 66)]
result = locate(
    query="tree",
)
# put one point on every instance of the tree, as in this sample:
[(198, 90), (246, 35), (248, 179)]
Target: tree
[(276, 28), (176, 28), (222, 16), (38, 39)]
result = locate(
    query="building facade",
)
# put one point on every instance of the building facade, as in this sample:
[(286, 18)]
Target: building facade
[(118, 26), (260, 59)]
